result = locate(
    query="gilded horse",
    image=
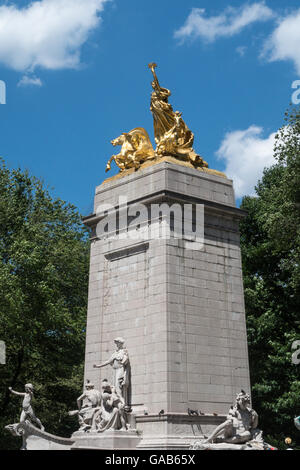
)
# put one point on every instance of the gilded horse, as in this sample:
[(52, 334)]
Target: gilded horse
[(136, 148)]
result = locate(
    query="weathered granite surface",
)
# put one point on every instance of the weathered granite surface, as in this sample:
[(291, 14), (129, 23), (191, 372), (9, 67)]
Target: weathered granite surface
[(37, 439), (111, 439), (180, 310)]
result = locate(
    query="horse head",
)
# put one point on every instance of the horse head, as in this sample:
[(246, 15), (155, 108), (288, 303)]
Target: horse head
[(119, 140)]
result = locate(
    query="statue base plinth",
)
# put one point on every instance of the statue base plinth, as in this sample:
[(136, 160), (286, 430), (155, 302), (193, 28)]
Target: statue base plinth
[(111, 439), (251, 445), (37, 439), (175, 431)]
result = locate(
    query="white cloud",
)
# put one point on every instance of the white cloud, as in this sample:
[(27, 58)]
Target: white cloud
[(28, 80), (246, 154), (241, 50), (284, 42), (46, 33), (230, 22)]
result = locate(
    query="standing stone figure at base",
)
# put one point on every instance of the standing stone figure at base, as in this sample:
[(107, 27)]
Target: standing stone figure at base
[(27, 410), (121, 365)]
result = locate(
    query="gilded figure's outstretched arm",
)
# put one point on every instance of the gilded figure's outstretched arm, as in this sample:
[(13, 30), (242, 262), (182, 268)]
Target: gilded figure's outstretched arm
[(152, 67)]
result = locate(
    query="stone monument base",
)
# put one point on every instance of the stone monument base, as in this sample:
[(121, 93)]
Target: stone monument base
[(110, 439), (251, 445), (175, 430), (37, 439)]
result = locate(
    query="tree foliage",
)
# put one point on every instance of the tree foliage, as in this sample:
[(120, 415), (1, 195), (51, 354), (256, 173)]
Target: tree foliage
[(270, 240), (43, 295)]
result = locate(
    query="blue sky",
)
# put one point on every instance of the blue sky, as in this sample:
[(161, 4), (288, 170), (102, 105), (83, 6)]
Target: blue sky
[(76, 76)]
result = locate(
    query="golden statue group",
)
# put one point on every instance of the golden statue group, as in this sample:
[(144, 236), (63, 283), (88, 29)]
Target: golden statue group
[(172, 136)]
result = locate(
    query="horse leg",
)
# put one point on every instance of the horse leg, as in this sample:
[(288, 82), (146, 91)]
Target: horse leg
[(120, 161), (132, 161), (108, 165)]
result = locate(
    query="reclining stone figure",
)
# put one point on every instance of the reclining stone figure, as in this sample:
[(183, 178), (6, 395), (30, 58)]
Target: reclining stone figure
[(88, 404), (238, 432), (112, 411)]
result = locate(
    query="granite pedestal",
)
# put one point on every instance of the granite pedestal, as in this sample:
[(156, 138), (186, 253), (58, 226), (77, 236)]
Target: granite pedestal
[(179, 308), (110, 439)]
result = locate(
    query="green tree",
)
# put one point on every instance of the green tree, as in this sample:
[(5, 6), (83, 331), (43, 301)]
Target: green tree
[(270, 240), (44, 254)]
